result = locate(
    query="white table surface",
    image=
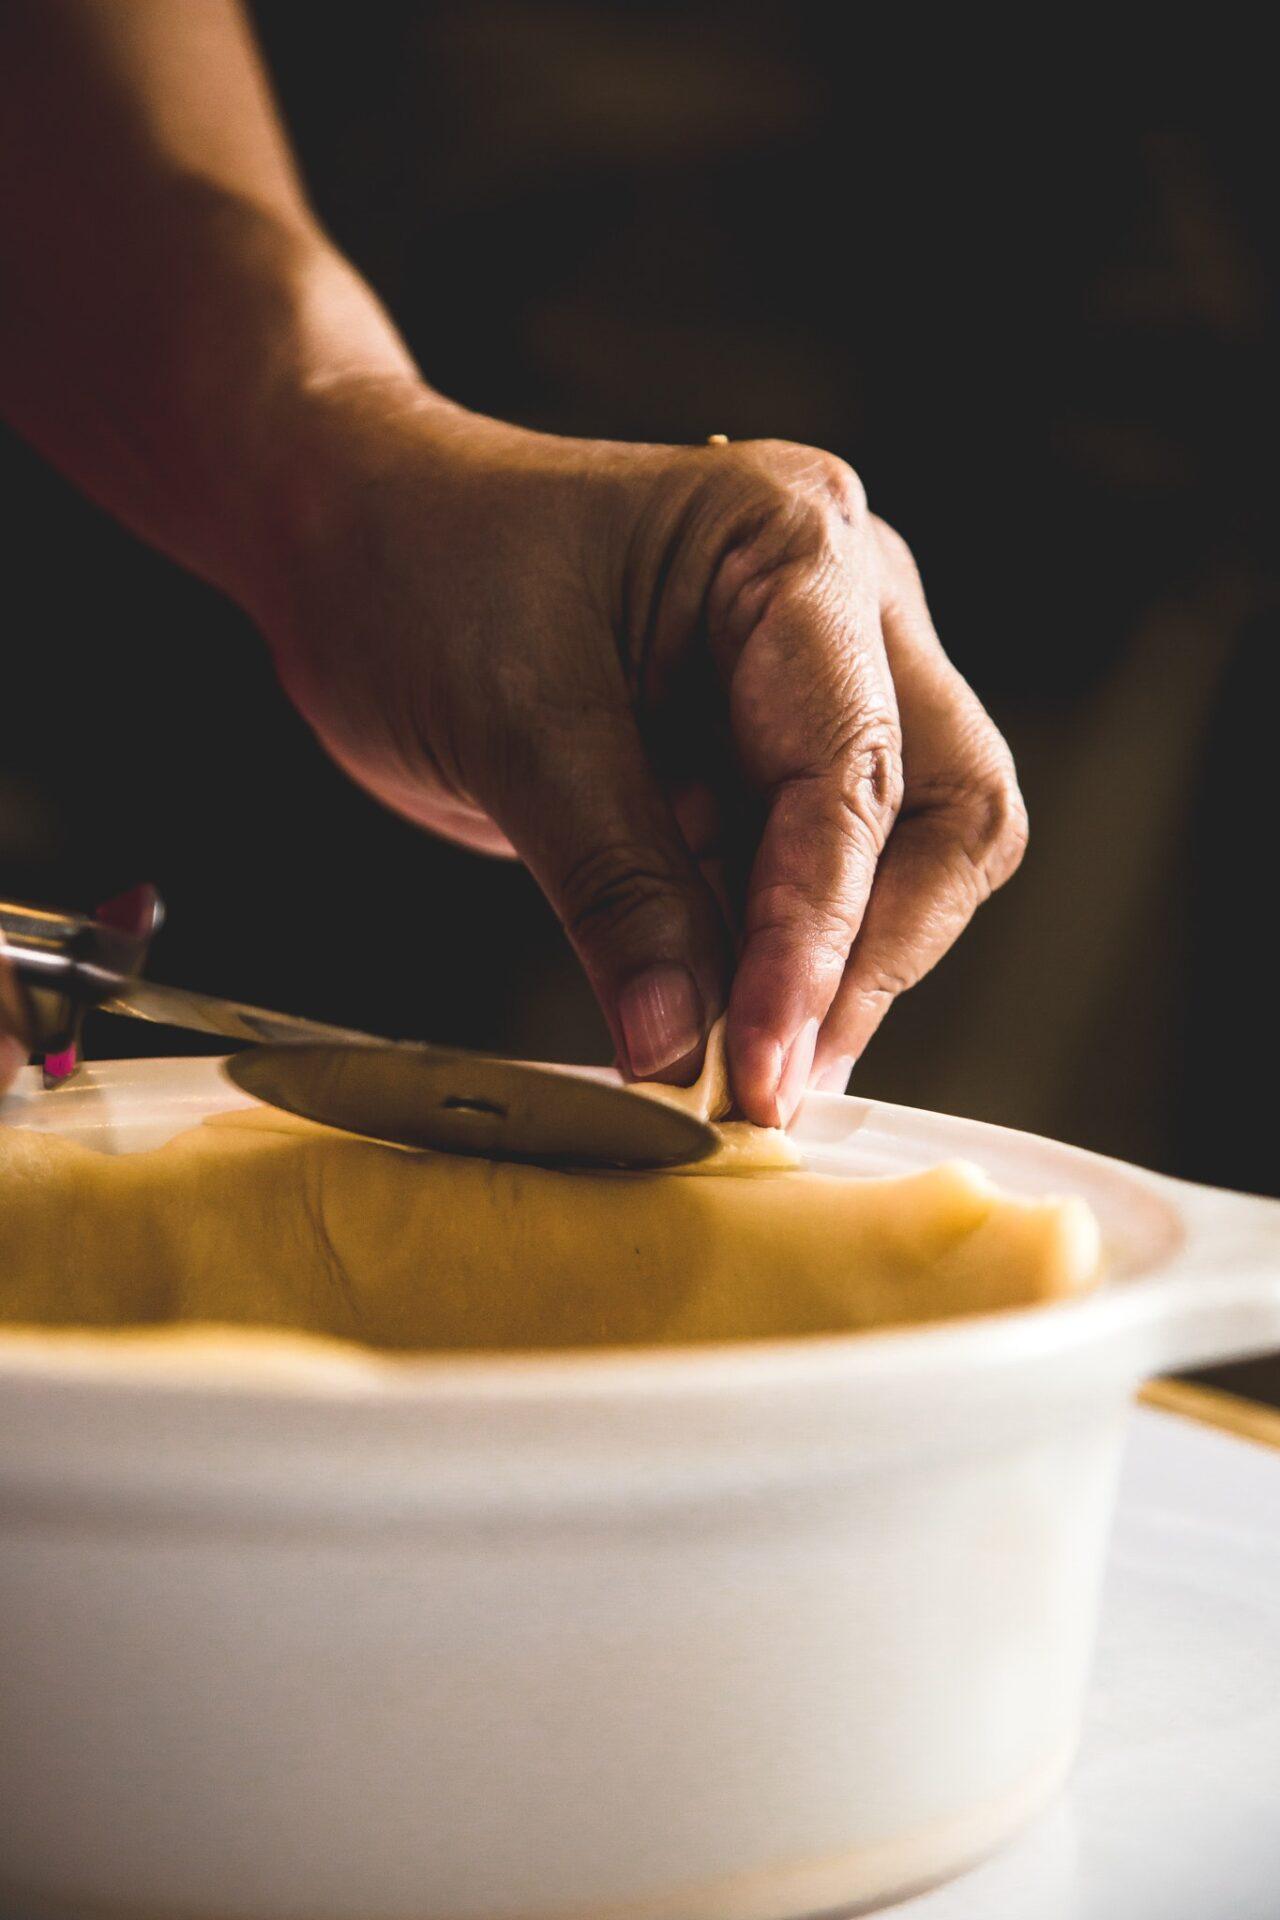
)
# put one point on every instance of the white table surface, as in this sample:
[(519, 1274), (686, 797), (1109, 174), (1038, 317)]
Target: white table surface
[(1173, 1812)]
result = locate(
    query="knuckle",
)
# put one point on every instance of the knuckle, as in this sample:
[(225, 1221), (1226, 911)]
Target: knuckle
[(842, 488), (889, 981), (786, 513), (895, 549), (1001, 827), (822, 487), (870, 770), (805, 485), (991, 826), (782, 508), (610, 887), (791, 909)]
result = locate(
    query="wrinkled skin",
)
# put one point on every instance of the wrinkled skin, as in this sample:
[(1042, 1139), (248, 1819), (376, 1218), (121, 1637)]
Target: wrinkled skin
[(697, 690)]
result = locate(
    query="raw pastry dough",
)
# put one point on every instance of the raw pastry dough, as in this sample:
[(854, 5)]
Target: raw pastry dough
[(258, 1220), (743, 1148)]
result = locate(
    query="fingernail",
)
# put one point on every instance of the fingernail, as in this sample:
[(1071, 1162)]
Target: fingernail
[(795, 1071), (834, 1077), (661, 1017)]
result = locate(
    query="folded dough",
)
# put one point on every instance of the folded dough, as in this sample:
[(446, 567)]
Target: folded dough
[(259, 1220)]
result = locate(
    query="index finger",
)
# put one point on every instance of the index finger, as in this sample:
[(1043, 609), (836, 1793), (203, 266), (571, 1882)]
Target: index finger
[(814, 712)]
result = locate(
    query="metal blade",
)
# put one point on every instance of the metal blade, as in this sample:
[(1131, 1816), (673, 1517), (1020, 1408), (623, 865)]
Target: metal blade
[(415, 1095), (206, 1013), (420, 1096), (408, 1093)]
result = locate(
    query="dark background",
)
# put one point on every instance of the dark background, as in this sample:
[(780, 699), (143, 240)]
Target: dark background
[(1043, 326)]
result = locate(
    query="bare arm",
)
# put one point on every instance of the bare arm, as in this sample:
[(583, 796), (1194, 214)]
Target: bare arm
[(167, 296)]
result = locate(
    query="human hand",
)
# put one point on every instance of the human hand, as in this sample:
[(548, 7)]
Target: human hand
[(696, 690)]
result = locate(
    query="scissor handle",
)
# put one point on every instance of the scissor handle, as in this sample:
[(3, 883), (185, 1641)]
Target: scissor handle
[(63, 962)]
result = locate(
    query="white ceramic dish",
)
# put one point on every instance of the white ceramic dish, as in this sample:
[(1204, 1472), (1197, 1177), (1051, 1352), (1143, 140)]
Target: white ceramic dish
[(730, 1633)]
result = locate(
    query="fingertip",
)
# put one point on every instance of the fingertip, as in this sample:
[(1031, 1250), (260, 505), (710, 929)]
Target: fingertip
[(834, 1076), (770, 1076), (857, 1017), (683, 1072), (661, 1015), (755, 1068), (796, 1070)]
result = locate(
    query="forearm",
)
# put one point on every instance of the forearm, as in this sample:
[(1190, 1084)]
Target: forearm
[(172, 314)]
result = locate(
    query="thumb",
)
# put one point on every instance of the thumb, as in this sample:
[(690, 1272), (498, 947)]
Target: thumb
[(595, 829)]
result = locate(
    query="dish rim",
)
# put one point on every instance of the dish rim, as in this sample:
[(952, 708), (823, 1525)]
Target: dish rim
[(305, 1367)]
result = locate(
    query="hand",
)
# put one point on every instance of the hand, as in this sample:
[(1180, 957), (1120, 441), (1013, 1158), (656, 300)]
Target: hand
[(697, 690)]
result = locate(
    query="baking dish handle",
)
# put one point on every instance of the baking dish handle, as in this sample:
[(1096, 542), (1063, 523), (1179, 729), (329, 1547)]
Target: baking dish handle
[(1221, 1293)]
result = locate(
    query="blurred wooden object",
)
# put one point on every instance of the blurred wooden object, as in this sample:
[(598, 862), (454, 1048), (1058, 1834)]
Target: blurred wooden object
[(1213, 1408)]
